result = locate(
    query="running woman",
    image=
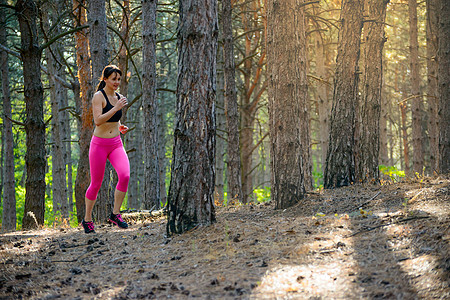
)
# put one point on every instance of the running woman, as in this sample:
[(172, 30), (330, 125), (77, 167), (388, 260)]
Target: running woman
[(106, 144)]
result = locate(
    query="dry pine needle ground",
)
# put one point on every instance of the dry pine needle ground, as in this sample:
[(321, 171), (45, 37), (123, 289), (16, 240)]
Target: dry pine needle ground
[(359, 242)]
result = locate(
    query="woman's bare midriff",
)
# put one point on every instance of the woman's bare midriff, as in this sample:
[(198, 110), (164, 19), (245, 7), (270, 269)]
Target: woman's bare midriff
[(107, 130)]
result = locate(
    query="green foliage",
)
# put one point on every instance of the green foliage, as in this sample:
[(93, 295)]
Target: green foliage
[(263, 194), (392, 172), (20, 205), (318, 179)]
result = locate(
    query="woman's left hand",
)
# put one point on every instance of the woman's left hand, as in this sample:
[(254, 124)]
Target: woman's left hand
[(123, 129)]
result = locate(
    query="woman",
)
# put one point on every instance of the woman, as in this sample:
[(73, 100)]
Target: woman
[(106, 144)]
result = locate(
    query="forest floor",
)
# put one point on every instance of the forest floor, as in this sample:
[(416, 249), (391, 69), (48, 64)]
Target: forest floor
[(359, 242)]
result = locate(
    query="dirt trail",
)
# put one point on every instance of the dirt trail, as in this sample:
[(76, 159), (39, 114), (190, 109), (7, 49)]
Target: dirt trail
[(361, 242)]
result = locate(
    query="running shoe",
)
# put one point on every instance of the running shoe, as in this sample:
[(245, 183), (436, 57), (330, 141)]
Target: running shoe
[(88, 226), (117, 220)]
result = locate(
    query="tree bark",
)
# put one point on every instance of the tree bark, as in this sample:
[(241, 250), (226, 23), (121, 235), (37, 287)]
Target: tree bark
[(323, 95), (35, 161), (134, 138), (98, 45), (53, 57), (86, 92), (405, 138), (286, 63), (234, 190), (369, 133), (416, 102), (152, 193), (340, 162), (9, 197), (123, 54), (384, 156), (253, 87), (444, 86), (191, 192), (221, 131), (432, 86)]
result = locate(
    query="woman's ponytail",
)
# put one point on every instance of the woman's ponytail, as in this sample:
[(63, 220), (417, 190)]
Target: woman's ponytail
[(101, 85)]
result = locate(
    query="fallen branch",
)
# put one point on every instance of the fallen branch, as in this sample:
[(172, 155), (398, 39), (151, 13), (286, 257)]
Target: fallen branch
[(370, 200), (70, 260), (415, 197), (382, 225)]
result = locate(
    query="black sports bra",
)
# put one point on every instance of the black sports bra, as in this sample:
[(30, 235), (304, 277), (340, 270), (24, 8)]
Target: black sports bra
[(116, 117)]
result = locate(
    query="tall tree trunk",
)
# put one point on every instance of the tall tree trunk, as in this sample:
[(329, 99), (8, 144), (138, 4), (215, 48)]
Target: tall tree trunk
[(432, 87), (384, 156), (286, 63), (221, 130), (340, 162), (161, 148), (191, 192), (35, 162), (247, 114), (123, 54), (231, 107), (123, 66), (152, 192), (323, 94), (52, 53), (369, 133), (416, 104), (162, 128), (134, 140), (250, 95), (86, 92), (98, 45), (8, 182), (405, 138), (444, 86)]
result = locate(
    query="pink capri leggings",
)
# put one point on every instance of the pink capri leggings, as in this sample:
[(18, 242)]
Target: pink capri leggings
[(100, 150)]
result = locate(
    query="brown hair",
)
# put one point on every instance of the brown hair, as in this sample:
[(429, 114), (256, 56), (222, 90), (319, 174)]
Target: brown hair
[(108, 71)]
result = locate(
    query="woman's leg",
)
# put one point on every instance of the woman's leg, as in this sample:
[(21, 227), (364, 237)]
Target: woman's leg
[(97, 162), (119, 160)]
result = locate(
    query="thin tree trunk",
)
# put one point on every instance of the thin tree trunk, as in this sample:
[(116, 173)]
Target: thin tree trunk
[(250, 96), (8, 180), (134, 140), (323, 95), (221, 130), (86, 92), (444, 86), (161, 148), (432, 86), (340, 162), (152, 192), (234, 190), (123, 55), (286, 62), (162, 128), (384, 156), (34, 125), (405, 138), (369, 133), (98, 45), (191, 192), (416, 103), (52, 53)]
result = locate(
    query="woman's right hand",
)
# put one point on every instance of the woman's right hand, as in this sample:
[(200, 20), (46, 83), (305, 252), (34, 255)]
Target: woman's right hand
[(121, 103)]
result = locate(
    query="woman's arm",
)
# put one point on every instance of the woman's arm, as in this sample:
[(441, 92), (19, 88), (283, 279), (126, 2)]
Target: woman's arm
[(97, 109)]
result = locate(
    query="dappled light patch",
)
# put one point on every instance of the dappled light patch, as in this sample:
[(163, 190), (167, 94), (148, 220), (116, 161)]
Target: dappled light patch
[(309, 280)]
